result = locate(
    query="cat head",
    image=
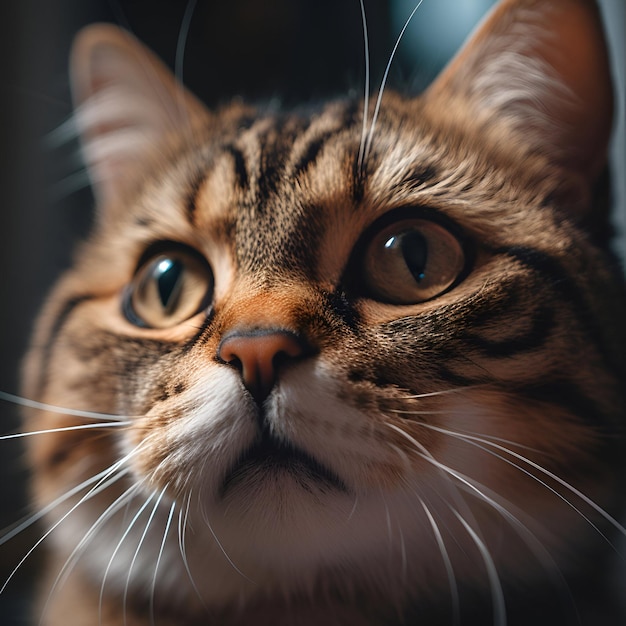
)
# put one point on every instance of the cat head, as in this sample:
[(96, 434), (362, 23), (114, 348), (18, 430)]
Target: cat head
[(333, 340)]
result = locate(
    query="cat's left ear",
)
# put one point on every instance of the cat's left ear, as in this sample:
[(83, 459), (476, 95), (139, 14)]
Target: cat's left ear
[(126, 101), (540, 69)]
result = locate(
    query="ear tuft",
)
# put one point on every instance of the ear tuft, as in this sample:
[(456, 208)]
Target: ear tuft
[(126, 101), (541, 69)]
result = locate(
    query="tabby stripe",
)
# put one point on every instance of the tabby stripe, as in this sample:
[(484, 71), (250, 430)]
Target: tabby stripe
[(312, 152), (241, 169), (487, 314), (191, 201), (568, 395), (547, 266), (276, 146), (271, 161), (417, 177), (202, 336), (316, 145), (358, 180), (343, 309), (446, 374), (59, 322), (542, 323)]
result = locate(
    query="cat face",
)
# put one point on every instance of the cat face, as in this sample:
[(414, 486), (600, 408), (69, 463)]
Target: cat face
[(333, 354)]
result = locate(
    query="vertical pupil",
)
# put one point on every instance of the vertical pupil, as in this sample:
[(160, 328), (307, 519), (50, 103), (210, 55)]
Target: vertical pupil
[(167, 276), (415, 252)]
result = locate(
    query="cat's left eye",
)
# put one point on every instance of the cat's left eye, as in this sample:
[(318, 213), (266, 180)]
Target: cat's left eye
[(168, 288), (411, 261)]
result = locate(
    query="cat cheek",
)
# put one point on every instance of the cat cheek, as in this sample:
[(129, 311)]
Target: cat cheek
[(190, 439)]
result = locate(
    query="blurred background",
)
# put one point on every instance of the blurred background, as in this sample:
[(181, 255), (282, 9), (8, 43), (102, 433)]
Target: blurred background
[(292, 50)]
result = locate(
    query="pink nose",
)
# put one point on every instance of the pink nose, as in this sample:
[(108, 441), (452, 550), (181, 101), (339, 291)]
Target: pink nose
[(258, 355)]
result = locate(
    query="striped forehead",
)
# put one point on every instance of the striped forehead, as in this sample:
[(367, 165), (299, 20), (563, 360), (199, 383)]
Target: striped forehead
[(270, 191), (285, 192)]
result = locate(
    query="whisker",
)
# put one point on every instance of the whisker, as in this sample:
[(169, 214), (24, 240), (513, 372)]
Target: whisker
[(424, 453), (158, 561), (467, 433), (86, 497), (444, 392), (183, 34), (221, 547), (71, 561), (182, 530), (136, 554), (454, 589), (68, 185), (366, 97), (117, 548), (370, 135), (182, 40), (65, 132), (33, 519), (120, 15), (474, 440), (538, 549), (33, 404), (499, 605), (404, 561), (354, 506), (63, 429)]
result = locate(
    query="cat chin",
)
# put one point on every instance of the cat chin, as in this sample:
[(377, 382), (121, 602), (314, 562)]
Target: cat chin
[(376, 544)]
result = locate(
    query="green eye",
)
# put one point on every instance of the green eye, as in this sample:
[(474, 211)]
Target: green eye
[(411, 261), (169, 288)]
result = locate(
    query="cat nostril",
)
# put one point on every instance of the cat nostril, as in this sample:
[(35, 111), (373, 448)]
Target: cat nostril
[(258, 355)]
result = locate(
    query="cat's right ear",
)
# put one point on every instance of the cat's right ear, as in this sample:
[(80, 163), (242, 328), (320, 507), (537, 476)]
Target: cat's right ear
[(126, 100)]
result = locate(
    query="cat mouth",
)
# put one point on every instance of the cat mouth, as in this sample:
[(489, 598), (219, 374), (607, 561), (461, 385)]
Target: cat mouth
[(270, 458)]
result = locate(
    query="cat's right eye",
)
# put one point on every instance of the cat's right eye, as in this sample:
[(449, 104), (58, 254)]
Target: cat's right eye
[(411, 261), (168, 288)]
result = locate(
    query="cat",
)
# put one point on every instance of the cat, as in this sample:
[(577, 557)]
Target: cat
[(355, 364)]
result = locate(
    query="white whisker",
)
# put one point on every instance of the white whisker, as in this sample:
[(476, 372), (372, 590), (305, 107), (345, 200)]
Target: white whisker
[(92, 492), (476, 441), (366, 97), (444, 469), (136, 554), (444, 392), (370, 135), (404, 560), (42, 406), (354, 506), (32, 519), (65, 132), (499, 606), (158, 561), (472, 487), (71, 561), (68, 185), (454, 590), (117, 548), (460, 433), (182, 531), (180, 54), (63, 429), (221, 547), (418, 413)]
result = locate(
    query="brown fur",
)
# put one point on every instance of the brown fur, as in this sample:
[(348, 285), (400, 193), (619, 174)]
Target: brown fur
[(474, 409)]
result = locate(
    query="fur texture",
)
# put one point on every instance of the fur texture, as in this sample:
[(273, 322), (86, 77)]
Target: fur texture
[(437, 446)]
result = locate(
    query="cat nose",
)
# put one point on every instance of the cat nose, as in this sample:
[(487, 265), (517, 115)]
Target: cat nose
[(258, 355)]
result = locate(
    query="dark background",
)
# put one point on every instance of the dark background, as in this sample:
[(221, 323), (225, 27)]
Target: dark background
[(294, 50)]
